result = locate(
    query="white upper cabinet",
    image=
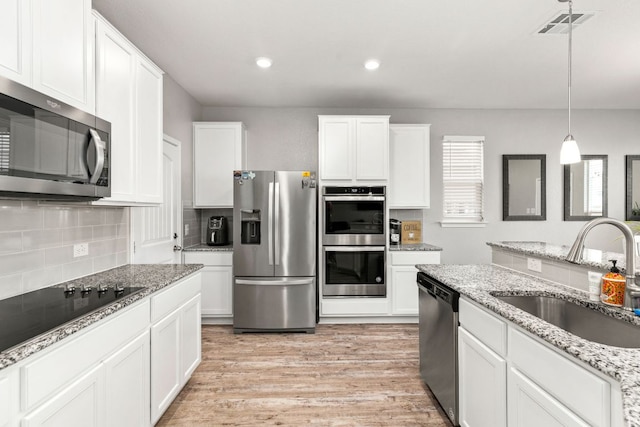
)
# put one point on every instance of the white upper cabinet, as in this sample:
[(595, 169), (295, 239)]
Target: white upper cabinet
[(63, 42), (353, 148), (15, 33), (129, 96), (409, 184), (48, 45), (219, 148)]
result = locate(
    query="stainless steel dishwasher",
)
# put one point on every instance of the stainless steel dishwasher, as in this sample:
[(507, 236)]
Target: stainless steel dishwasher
[(438, 332)]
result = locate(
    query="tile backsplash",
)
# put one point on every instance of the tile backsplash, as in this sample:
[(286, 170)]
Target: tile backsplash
[(37, 240)]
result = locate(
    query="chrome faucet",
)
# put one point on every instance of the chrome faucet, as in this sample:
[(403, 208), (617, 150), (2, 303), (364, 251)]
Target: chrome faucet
[(575, 253)]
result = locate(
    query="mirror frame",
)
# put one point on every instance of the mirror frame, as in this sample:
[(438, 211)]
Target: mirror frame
[(605, 200), (505, 187), (629, 188)]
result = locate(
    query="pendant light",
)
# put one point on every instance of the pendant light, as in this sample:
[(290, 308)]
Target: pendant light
[(569, 153)]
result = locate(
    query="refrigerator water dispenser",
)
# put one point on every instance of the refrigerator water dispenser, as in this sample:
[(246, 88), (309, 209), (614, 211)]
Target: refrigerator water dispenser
[(250, 232)]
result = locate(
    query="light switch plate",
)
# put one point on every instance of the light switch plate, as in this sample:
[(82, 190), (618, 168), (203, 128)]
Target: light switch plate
[(80, 249), (534, 264)]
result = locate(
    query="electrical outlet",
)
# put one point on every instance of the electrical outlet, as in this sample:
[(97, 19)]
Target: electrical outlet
[(186, 229), (534, 264), (80, 249)]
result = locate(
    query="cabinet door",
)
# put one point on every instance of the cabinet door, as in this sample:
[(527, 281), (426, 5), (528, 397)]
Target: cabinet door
[(165, 363), (409, 184), (190, 338), (372, 148), (218, 151), (63, 42), (81, 404), (531, 406), (127, 384), (404, 291), (148, 118), (9, 396), (217, 288), (15, 33), (336, 148), (115, 86), (482, 384)]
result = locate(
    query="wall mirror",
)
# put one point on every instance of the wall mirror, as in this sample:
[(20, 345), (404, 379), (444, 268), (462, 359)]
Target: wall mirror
[(524, 187), (585, 188), (633, 188)]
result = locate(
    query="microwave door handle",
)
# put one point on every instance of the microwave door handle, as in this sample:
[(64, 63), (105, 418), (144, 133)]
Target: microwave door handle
[(276, 221), (270, 225), (95, 170)]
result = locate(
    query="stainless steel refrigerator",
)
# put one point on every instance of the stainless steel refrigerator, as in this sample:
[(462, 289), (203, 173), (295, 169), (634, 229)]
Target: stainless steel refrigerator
[(274, 251)]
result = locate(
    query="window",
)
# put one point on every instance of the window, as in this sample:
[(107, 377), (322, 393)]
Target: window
[(463, 181)]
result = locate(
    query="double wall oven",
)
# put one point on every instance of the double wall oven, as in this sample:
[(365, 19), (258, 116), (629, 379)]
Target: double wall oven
[(353, 240)]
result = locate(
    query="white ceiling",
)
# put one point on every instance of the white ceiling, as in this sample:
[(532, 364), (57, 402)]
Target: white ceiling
[(434, 54)]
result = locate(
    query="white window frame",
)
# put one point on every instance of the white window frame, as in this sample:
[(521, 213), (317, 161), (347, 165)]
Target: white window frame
[(452, 220)]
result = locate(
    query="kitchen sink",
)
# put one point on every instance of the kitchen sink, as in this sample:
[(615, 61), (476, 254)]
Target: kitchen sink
[(578, 320)]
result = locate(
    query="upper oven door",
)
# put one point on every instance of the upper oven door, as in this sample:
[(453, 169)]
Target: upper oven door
[(353, 220)]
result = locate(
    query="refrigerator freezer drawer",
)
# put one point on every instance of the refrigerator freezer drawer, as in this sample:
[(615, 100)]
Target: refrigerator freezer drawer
[(264, 304)]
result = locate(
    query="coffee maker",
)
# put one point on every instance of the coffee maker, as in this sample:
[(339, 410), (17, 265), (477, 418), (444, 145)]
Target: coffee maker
[(217, 231), (394, 231)]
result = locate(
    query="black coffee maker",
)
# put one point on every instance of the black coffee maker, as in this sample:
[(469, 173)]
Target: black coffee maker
[(217, 231)]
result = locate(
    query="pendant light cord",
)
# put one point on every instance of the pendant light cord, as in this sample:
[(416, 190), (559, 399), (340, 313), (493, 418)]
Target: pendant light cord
[(570, 37)]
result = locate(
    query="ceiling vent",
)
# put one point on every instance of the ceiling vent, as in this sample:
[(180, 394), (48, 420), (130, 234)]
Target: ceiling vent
[(559, 24)]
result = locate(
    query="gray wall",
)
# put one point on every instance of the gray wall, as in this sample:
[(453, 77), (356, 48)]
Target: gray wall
[(286, 138), (180, 110)]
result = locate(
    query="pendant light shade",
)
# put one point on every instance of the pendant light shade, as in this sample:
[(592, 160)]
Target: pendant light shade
[(569, 153)]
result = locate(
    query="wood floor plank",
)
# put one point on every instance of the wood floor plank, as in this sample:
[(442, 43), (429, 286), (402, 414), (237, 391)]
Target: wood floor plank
[(343, 375)]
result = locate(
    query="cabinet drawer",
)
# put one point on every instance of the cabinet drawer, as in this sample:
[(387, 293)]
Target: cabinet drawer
[(54, 369), (581, 391), (484, 326), (213, 259), (414, 257), (174, 296)]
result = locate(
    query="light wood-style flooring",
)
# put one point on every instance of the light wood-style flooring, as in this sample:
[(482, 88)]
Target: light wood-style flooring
[(343, 375)]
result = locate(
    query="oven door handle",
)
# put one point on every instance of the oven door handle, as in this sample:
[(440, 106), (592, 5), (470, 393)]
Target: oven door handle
[(353, 198), (354, 248)]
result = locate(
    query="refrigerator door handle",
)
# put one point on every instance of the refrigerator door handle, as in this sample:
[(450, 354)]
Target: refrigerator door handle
[(280, 282), (270, 225), (276, 221)]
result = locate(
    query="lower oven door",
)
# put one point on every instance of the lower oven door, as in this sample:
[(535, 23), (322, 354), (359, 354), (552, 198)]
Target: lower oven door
[(350, 271)]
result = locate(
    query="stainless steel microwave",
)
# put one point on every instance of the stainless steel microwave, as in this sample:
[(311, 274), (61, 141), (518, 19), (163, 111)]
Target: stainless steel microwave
[(50, 150)]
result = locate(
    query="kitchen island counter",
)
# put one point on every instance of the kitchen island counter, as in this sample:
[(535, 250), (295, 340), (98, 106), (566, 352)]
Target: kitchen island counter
[(152, 277), (414, 247), (480, 282)]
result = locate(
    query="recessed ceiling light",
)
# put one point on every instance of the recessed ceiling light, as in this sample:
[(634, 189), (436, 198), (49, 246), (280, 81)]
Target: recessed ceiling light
[(372, 64), (264, 62)]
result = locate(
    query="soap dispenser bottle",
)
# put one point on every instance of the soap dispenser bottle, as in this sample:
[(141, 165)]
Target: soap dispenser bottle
[(613, 286)]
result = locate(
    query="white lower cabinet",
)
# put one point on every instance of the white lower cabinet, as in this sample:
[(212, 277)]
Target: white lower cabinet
[(402, 283), (9, 396), (508, 374), (80, 404), (531, 406), (127, 383), (217, 284), (483, 383), (175, 342)]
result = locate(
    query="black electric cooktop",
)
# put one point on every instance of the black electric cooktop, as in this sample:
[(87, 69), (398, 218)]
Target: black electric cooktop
[(26, 316)]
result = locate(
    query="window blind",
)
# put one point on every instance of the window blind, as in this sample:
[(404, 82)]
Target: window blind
[(463, 178)]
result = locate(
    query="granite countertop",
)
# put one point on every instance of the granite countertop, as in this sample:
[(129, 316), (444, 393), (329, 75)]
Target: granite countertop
[(414, 247), (153, 277), (590, 257), (206, 248), (479, 282)]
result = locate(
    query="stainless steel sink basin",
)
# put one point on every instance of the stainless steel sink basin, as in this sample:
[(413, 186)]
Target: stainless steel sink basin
[(578, 320)]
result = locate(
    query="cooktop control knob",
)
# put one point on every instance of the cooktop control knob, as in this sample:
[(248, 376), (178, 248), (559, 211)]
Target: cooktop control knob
[(69, 288), (102, 288), (85, 288), (118, 288)]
